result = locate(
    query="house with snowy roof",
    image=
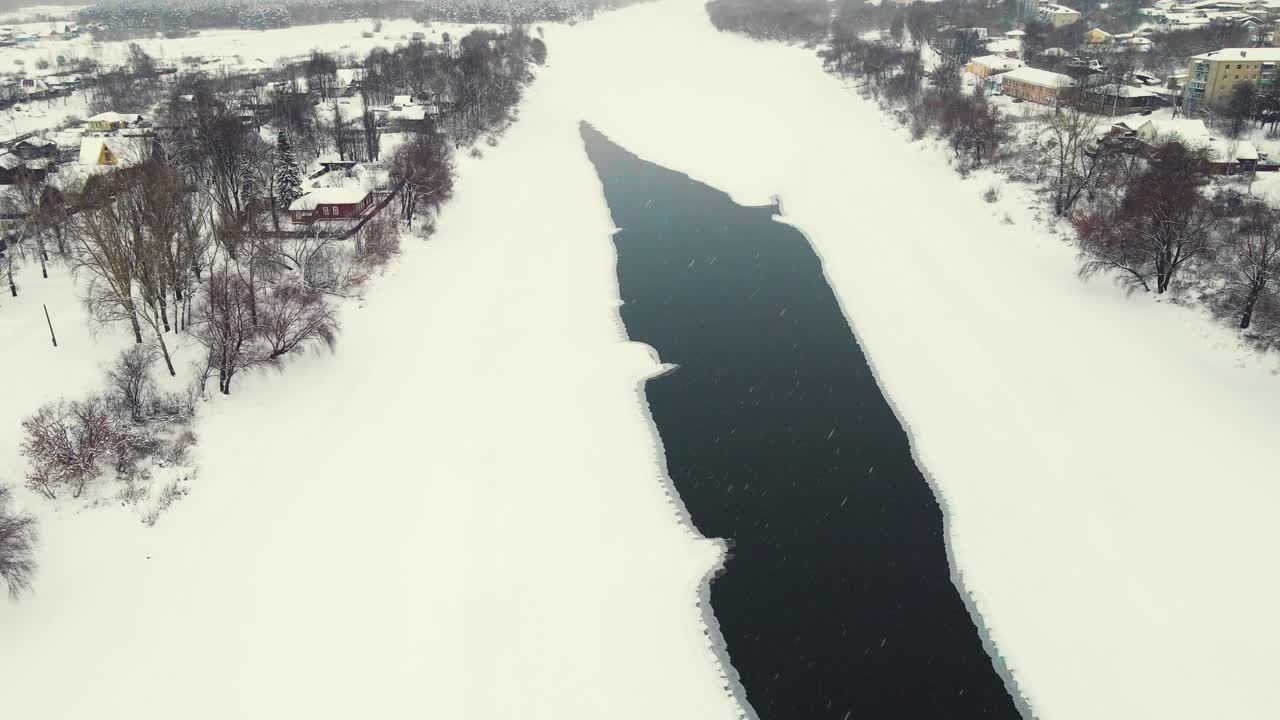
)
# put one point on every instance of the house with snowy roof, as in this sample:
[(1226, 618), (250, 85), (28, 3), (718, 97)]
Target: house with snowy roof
[(985, 66), (348, 81), (1038, 86), (99, 153), (331, 203), (36, 147), (1116, 99), (112, 121)]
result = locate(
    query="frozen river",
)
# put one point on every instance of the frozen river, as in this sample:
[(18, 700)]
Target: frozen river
[(837, 597)]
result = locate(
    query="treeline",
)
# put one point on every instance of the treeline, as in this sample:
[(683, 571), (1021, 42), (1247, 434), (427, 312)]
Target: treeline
[(132, 16), (478, 84), (788, 20), (927, 101)]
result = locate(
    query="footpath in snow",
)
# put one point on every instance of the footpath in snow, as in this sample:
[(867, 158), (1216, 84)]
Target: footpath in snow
[(462, 513)]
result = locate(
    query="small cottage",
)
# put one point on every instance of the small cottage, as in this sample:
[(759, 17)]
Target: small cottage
[(36, 147), (112, 121), (340, 203)]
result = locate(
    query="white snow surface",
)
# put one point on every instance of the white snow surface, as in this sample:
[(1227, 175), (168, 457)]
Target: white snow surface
[(463, 513)]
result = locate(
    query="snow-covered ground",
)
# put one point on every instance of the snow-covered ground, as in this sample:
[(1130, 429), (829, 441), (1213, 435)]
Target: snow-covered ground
[(462, 513), (41, 115)]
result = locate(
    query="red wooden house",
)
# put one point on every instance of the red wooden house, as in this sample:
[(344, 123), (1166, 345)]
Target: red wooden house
[(330, 204)]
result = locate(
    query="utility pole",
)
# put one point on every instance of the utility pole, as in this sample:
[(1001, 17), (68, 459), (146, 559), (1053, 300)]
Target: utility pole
[(52, 337)]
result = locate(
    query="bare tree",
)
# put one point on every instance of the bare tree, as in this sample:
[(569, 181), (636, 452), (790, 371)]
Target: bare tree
[(293, 318), (1248, 261), (424, 167), (26, 202), (372, 141), (130, 379), (10, 251), (1075, 159), (103, 248), (17, 544), (338, 131), (1163, 223), (224, 326)]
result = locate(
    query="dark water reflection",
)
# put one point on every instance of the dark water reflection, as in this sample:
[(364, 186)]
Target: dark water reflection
[(837, 601)]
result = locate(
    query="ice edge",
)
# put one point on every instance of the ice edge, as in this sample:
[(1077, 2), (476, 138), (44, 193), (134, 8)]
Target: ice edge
[(1020, 699)]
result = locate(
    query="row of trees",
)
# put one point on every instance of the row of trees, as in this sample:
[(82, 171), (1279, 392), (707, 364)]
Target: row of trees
[(929, 101), (176, 18), (800, 20)]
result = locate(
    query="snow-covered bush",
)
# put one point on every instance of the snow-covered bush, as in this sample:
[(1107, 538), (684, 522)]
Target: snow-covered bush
[(66, 443), (379, 240)]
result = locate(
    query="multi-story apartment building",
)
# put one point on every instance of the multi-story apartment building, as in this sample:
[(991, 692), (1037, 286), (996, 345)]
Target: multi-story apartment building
[(1213, 76), (1057, 16)]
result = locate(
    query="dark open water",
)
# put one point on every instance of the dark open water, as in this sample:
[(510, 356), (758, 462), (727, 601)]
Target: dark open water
[(837, 600)]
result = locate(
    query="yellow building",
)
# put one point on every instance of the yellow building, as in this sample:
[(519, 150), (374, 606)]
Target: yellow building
[(1098, 36), (1213, 76), (987, 65), (111, 121)]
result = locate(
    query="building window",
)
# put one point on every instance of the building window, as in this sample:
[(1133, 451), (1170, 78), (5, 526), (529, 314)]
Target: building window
[(324, 210)]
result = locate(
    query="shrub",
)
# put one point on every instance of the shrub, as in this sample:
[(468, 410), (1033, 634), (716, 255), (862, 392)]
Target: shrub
[(992, 194), (64, 443), (380, 240)]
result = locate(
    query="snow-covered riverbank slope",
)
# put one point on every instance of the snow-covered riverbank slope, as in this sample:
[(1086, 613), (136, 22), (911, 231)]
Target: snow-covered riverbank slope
[(461, 514)]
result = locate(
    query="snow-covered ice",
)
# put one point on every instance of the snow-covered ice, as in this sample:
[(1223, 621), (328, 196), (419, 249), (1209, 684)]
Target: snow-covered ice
[(462, 512)]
